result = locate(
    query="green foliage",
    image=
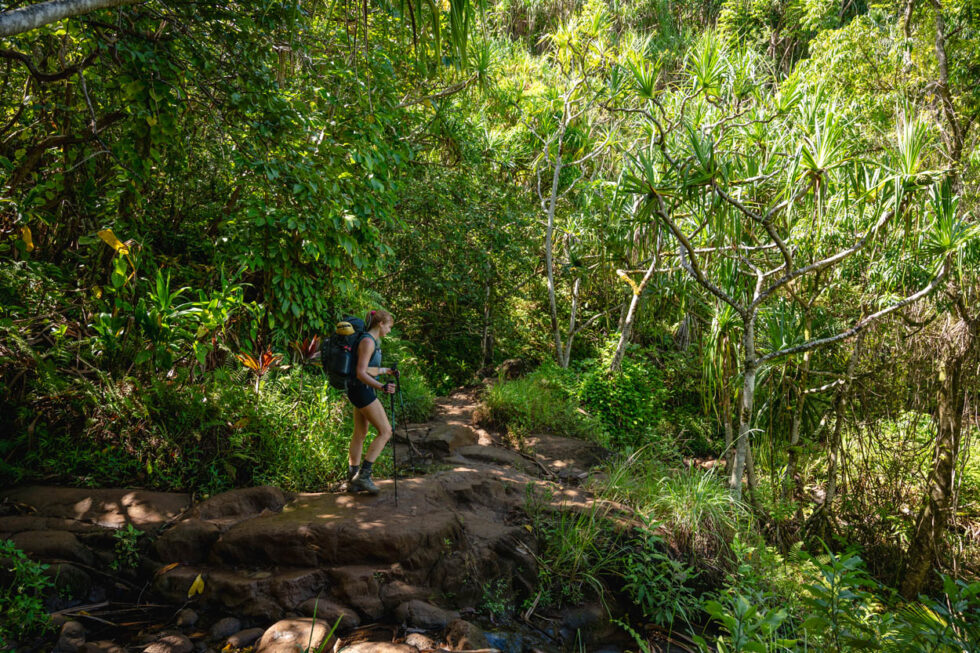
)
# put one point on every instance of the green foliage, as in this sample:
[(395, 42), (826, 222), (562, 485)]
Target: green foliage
[(23, 584), (205, 436), (127, 549), (843, 616), (747, 629), (496, 602), (951, 623), (540, 402), (841, 609), (657, 583), (630, 404), (697, 513)]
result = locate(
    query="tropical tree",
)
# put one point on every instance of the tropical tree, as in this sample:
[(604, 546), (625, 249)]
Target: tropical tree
[(716, 177)]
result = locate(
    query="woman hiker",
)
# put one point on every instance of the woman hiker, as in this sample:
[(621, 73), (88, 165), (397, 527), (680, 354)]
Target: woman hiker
[(368, 409)]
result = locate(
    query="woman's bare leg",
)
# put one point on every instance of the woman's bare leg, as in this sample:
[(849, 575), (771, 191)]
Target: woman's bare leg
[(357, 441), (375, 414)]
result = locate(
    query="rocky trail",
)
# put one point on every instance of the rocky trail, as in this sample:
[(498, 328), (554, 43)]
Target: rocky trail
[(251, 567)]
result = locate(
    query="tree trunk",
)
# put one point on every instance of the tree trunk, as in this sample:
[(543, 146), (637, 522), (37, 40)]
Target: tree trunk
[(549, 257), (17, 21), (953, 132), (789, 482), (726, 416), (934, 514), (566, 356), (486, 340), (746, 408), (627, 331)]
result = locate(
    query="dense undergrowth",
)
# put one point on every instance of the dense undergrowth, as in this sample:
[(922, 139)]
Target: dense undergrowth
[(166, 403), (688, 557)]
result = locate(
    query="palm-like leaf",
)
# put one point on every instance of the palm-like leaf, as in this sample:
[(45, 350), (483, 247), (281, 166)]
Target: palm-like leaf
[(826, 148), (947, 234)]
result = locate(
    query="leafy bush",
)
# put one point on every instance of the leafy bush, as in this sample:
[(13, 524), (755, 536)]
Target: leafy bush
[(629, 404), (746, 627), (22, 587), (127, 549), (843, 609), (658, 583), (540, 402)]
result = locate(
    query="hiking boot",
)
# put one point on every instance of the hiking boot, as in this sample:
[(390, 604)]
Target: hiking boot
[(351, 475), (362, 481)]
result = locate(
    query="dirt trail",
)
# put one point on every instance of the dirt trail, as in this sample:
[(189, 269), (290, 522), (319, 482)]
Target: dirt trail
[(265, 555)]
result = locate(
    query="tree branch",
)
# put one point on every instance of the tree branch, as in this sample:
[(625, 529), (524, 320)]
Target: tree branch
[(860, 326), (47, 77), (17, 21)]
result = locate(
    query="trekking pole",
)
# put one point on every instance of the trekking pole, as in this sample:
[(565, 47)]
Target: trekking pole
[(394, 447), (401, 404)]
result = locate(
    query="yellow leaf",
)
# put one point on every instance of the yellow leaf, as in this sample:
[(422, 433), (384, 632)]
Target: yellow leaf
[(113, 242), (197, 587), (25, 234), (529, 528)]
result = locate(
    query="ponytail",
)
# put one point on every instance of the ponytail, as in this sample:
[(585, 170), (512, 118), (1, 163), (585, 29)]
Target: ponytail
[(378, 316)]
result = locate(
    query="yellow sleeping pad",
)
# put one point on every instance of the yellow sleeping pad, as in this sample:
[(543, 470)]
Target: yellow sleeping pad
[(344, 329)]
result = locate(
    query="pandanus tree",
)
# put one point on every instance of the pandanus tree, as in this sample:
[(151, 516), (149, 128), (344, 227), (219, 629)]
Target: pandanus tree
[(762, 189)]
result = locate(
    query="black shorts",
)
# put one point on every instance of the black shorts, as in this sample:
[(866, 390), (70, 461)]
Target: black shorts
[(360, 395)]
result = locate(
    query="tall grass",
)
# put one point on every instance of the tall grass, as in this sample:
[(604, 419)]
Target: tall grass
[(539, 403), (578, 550), (695, 510)]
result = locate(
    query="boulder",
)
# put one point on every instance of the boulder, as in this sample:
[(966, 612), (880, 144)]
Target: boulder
[(464, 636), (174, 583), (225, 628), (173, 643), (334, 529), (71, 639), (330, 612), (70, 580), (186, 618), (420, 641), (11, 524), (290, 588), (244, 503), (358, 587), (188, 541), (419, 614), (292, 635), (397, 592), (445, 438), (58, 545), (244, 638)]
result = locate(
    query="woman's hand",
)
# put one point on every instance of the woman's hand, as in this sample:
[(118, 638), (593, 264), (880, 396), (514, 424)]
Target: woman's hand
[(389, 388)]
